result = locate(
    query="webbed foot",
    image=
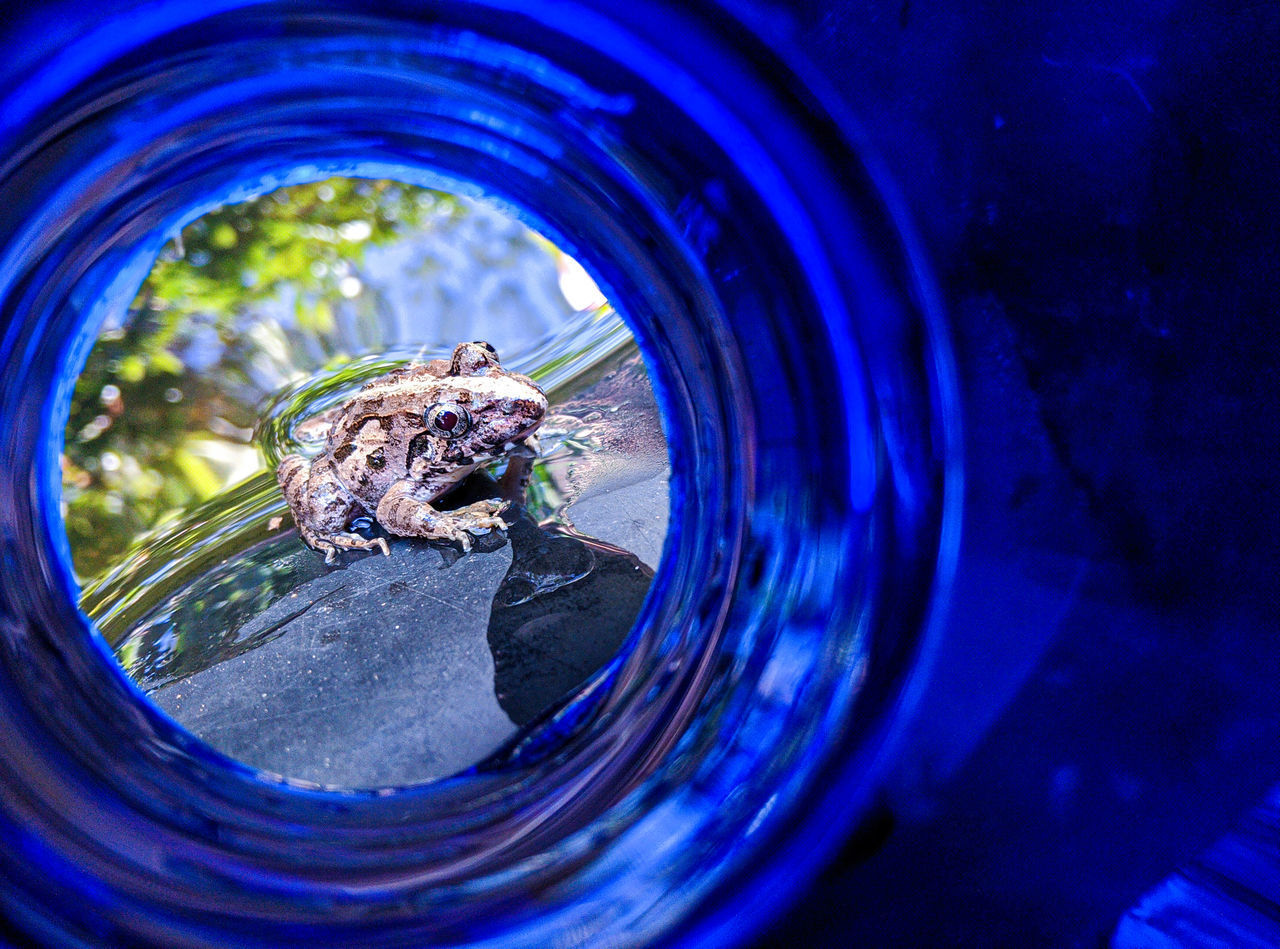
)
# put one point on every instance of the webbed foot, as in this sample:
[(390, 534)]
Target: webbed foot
[(475, 518), (331, 544)]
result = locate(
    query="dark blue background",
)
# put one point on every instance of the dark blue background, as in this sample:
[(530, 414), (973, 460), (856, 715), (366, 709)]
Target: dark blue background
[(1097, 187)]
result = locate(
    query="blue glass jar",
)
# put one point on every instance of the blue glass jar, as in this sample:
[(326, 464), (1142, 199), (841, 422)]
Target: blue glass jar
[(795, 346)]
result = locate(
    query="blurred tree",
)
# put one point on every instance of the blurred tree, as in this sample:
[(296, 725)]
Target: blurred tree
[(152, 428)]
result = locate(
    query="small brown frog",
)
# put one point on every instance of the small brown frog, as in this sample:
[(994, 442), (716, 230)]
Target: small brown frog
[(405, 439)]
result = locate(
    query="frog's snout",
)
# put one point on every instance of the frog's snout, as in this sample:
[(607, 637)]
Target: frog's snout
[(532, 407)]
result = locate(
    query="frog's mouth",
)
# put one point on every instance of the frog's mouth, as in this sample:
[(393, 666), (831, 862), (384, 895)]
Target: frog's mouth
[(518, 446), (520, 442)]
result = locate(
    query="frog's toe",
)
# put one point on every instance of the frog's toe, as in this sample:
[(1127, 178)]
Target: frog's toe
[(333, 544), (485, 513), (483, 516), (356, 542)]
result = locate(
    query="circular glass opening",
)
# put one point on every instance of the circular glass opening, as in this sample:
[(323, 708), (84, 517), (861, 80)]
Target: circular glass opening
[(792, 345), (251, 340)]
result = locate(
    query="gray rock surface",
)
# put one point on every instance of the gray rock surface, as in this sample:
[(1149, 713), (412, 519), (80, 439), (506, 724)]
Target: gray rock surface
[(627, 511), (383, 671), (380, 674)]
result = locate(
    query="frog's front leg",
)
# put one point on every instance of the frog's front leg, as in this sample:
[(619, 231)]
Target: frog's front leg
[(515, 480), (406, 509), (322, 507)]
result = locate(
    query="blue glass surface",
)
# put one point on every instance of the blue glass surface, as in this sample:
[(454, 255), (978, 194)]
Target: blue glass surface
[(794, 345)]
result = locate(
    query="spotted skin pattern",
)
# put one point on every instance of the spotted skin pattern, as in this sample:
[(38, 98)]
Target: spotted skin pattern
[(407, 438)]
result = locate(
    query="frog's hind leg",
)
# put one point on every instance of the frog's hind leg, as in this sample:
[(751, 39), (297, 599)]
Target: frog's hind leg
[(322, 507), (406, 509)]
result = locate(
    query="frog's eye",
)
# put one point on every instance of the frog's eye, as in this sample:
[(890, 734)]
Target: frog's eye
[(448, 419)]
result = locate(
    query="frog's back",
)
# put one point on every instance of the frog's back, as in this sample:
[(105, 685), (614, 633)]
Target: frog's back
[(414, 372), (401, 392)]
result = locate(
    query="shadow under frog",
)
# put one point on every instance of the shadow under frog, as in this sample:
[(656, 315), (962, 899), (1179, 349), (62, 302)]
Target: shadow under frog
[(542, 650), (387, 671)]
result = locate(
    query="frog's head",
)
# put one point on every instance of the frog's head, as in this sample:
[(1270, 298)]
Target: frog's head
[(482, 409)]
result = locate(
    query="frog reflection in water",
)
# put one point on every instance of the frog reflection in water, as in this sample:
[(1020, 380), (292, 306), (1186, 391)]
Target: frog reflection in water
[(407, 438)]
